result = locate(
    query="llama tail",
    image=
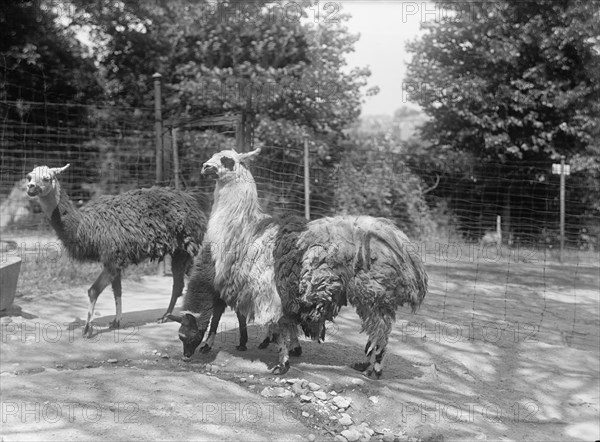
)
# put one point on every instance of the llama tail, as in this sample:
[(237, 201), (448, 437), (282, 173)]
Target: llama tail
[(383, 234)]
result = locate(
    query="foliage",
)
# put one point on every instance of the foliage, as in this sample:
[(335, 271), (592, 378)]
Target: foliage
[(41, 59), (512, 81), (375, 180), (514, 84)]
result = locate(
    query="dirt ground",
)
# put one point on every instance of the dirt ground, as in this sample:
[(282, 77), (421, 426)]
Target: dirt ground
[(500, 350)]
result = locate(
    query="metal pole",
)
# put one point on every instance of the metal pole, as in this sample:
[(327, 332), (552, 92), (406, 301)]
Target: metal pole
[(306, 182), (562, 206), (499, 228), (175, 157), (158, 128)]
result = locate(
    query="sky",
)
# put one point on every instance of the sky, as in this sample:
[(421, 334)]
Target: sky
[(385, 26)]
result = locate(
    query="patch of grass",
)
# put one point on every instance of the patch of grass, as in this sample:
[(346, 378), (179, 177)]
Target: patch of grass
[(47, 268)]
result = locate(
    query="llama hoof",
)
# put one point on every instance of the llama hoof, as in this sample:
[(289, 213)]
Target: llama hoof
[(296, 351), (241, 347), (360, 366), (205, 349), (114, 324), (264, 344), (372, 373), (281, 368)]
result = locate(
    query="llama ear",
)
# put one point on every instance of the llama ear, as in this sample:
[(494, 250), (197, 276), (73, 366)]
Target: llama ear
[(189, 320), (249, 155), (59, 170), (174, 318)]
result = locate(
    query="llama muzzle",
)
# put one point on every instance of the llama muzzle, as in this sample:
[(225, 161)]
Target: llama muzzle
[(209, 170)]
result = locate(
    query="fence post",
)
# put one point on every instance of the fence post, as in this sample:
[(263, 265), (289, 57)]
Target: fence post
[(158, 127), (499, 228), (175, 157), (306, 182), (562, 207)]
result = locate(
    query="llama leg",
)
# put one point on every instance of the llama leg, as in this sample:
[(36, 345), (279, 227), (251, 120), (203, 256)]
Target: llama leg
[(243, 332), (378, 326), (283, 340), (267, 340), (94, 291), (271, 336), (296, 349), (179, 263), (116, 286), (219, 307)]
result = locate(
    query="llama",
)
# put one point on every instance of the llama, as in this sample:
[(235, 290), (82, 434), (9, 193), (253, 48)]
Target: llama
[(124, 229), (200, 302), (287, 273)]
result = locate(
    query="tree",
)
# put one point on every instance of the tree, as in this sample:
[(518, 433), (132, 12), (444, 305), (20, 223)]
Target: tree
[(514, 84), (42, 67), (374, 179), (266, 60)]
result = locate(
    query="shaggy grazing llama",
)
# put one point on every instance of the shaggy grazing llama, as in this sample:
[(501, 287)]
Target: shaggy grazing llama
[(287, 273), (122, 230), (200, 302)]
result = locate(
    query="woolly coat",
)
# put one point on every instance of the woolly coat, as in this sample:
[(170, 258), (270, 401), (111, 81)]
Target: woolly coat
[(132, 227), (201, 295), (270, 269)]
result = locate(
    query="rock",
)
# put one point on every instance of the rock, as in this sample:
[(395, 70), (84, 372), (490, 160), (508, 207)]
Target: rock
[(333, 418), (340, 438), (346, 420), (275, 391), (365, 431), (242, 380), (374, 399), (358, 382), (341, 402), (320, 395), (333, 393), (112, 361), (311, 438), (304, 383), (305, 414), (165, 356), (351, 435), (59, 365), (313, 387), (305, 398), (251, 376), (282, 392), (388, 437), (297, 388), (292, 380)]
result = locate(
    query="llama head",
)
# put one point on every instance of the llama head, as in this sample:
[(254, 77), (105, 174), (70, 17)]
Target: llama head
[(229, 165), (42, 179), (189, 333)]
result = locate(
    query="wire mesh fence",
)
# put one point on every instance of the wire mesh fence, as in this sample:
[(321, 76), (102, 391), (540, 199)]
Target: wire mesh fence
[(112, 149)]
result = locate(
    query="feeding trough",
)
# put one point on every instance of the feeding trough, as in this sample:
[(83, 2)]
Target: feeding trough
[(10, 266)]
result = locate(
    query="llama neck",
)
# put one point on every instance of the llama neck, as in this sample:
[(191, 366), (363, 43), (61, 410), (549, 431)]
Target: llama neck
[(59, 210), (236, 206)]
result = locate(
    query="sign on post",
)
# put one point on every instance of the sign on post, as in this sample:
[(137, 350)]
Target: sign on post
[(563, 170)]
